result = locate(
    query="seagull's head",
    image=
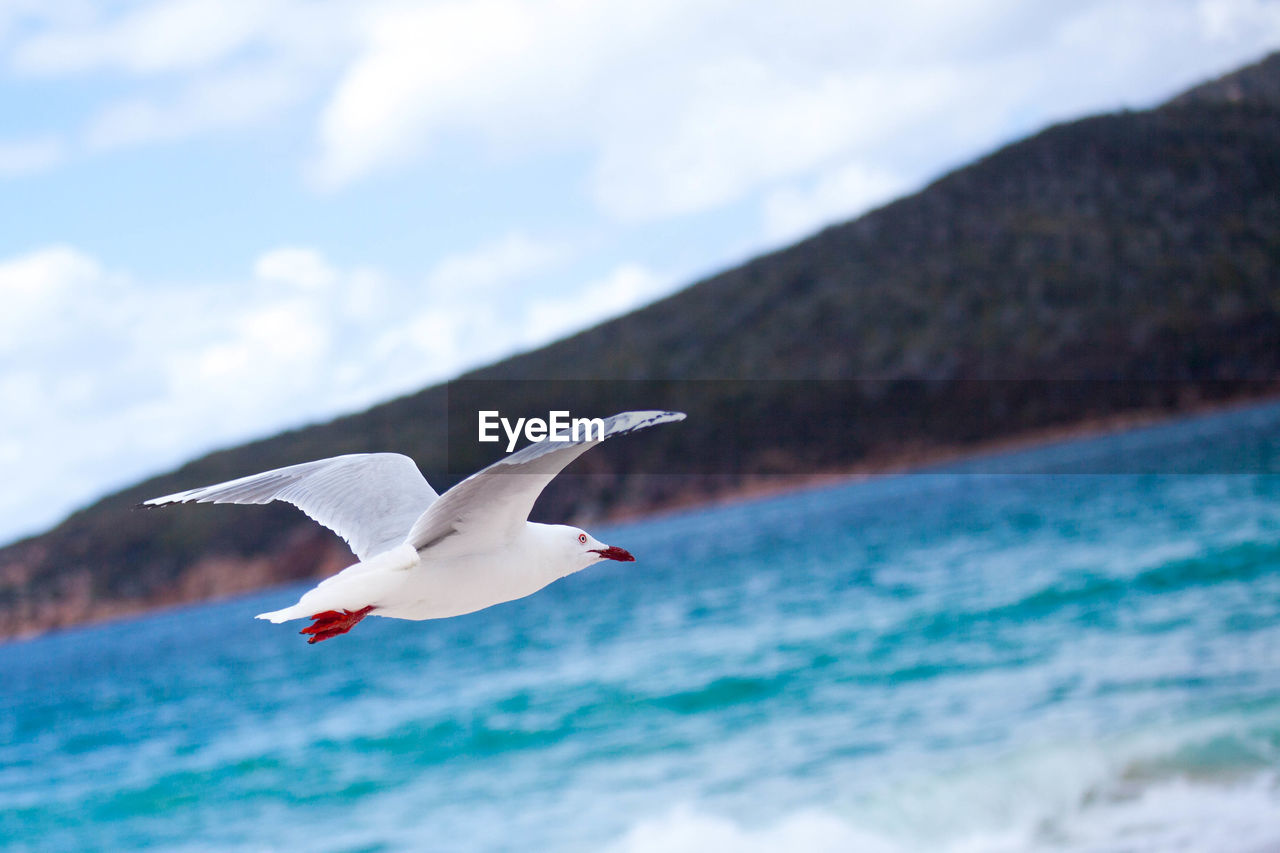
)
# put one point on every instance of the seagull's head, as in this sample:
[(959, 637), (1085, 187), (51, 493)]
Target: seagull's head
[(586, 550)]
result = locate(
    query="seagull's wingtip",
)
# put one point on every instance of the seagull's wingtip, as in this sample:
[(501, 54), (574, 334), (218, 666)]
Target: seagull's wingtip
[(163, 500)]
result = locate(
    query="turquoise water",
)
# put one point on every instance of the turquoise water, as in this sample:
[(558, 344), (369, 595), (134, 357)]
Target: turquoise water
[(979, 658)]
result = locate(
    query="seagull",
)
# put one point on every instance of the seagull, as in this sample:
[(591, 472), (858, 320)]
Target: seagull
[(423, 555)]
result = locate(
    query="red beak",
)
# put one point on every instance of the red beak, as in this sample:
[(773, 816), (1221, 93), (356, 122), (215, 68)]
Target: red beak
[(613, 552)]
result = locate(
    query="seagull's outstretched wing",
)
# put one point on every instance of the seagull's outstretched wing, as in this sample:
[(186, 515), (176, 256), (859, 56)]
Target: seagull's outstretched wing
[(369, 499), (494, 502)]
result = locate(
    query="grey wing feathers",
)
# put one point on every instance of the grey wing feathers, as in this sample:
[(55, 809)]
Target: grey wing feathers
[(369, 499), (495, 501)]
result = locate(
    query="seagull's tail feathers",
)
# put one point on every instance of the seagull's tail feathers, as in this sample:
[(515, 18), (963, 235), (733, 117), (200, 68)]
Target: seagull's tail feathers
[(353, 588), (278, 616)]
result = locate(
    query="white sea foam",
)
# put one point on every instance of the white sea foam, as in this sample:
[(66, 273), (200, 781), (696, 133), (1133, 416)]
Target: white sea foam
[(1131, 796), (1178, 815), (687, 830)]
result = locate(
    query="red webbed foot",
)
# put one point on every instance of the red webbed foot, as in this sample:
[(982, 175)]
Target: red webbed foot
[(331, 623)]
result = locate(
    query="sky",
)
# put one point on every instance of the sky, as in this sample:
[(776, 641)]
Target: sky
[(221, 218)]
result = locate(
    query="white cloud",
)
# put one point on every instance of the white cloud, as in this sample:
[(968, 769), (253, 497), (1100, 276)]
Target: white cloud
[(105, 376), (179, 35), (671, 107), (1095, 63), (186, 67), (793, 211), (686, 107), (229, 99), (30, 156), (508, 259), (38, 287), (300, 267), (627, 287), (421, 66), (682, 107), (1227, 21), (466, 312), (514, 72), (743, 124), (17, 13)]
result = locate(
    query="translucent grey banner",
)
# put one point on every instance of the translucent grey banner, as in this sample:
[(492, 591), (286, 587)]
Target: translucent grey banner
[(743, 428)]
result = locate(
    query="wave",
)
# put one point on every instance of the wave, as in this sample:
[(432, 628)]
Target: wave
[(1178, 815), (1088, 593), (1204, 788)]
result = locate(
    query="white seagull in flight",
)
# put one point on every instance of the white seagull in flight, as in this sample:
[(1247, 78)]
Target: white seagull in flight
[(423, 555)]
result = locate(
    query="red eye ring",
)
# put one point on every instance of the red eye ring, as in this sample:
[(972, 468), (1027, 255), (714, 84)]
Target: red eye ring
[(582, 539)]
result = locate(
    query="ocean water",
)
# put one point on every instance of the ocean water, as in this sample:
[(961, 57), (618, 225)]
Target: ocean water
[(1008, 655)]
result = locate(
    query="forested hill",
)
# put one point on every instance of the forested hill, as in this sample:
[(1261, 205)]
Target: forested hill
[(1130, 244), (1119, 261)]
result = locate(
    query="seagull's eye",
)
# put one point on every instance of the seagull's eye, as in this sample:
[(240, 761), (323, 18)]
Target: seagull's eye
[(582, 539)]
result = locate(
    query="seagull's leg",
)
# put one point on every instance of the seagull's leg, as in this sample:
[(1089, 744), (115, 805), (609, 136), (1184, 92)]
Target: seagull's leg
[(331, 623)]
